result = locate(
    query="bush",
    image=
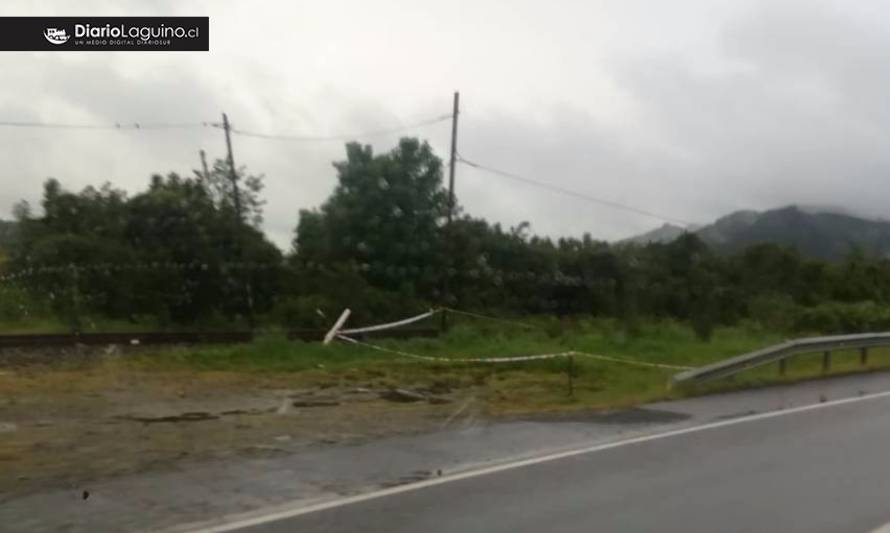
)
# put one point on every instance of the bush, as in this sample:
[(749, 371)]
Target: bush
[(703, 326), (836, 317), (16, 304), (302, 312), (775, 312)]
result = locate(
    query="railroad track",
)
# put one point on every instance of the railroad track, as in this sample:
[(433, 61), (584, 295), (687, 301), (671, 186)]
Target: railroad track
[(38, 340)]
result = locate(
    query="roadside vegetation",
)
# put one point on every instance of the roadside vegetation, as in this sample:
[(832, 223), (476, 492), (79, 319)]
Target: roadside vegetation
[(185, 253), (517, 387)]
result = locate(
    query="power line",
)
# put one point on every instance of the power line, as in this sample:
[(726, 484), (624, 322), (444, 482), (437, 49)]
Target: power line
[(246, 133), (116, 126), (575, 194), (342, 137)]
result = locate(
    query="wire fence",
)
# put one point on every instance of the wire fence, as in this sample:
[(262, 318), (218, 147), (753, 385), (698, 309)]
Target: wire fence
[(344, 335)]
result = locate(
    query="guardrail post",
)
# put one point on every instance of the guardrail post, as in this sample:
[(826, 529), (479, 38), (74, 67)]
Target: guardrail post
[(782, 365), (826, 361), (863, 356)]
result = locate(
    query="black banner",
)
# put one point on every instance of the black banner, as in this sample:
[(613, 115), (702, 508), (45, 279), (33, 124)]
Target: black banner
[(104, 34)]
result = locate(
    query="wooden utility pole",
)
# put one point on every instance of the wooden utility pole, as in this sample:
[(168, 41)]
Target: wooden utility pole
[(204, 165), (448, 231), (454, 113), (233, 175), (236, 197)]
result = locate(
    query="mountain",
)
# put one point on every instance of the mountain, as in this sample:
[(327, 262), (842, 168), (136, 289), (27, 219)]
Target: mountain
[(837, 210), (726, 229), (664, 234), (824, 233)]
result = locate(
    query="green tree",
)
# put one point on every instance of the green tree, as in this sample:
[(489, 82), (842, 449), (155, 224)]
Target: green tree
[(383, 218), (218, 185), (176, 252)]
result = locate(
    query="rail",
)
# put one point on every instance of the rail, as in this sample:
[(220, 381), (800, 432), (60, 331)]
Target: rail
[(180, 337), (780, 352)]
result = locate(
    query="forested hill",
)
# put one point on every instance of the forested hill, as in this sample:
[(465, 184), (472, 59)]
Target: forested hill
[(816, 234)]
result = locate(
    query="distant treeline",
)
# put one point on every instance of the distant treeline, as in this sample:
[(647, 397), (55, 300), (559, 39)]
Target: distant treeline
[(180, 253)]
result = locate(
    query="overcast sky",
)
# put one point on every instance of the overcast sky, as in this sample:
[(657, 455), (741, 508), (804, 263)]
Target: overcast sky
[(690, 108)]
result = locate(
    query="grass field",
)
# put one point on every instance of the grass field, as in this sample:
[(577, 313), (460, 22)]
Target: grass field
[(509, 387), (521, 386)]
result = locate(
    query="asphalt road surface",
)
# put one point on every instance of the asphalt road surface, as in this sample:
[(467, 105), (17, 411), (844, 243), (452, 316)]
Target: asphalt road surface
[(823, 469)]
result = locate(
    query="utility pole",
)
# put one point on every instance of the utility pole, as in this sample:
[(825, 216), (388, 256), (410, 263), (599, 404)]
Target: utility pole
[(448, 231), (236, 195), (454, 113), (204, 165), (233, 175)]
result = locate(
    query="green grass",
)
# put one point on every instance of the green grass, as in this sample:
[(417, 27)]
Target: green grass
[(520, 386), (660, 342), (514, 387)]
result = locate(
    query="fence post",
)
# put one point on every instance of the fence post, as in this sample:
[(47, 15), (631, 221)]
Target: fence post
[(782, 365), (826, 361), (863, 356)]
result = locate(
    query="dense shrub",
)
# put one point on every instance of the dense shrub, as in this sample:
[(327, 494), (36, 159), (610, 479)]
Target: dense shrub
[(773, 311), (836, 317)]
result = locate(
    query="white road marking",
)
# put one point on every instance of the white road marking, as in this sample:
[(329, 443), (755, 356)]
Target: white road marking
[(236, 523)]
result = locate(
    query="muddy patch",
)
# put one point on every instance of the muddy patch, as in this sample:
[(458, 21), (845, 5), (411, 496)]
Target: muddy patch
[(192, 416), (68, 425)]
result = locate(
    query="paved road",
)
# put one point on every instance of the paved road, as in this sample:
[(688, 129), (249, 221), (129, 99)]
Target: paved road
[(825, 469), (197, 494)]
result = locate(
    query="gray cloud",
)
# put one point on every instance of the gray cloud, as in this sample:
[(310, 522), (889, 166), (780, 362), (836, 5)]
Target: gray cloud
[(691, 111)]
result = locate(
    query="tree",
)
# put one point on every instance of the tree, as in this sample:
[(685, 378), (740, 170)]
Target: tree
[(383, 218), (175, 252), (218, 185)]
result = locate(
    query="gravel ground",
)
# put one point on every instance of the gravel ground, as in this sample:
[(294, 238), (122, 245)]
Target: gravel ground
[(68, 419)]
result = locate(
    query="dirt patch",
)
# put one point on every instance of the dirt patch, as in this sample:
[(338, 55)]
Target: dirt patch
[(407, 396), (191, 416), (65, 424)]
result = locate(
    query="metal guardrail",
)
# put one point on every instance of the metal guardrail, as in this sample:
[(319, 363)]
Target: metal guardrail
[(780, 352)]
